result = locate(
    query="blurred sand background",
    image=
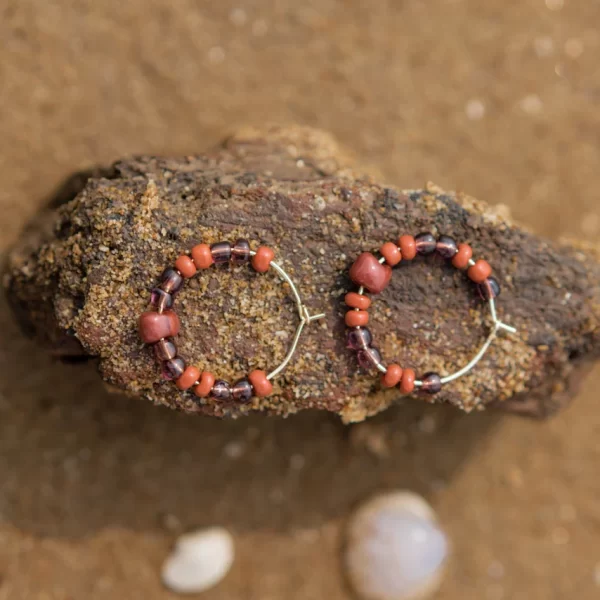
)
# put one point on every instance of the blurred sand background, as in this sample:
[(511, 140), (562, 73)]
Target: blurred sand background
[(499, 99)]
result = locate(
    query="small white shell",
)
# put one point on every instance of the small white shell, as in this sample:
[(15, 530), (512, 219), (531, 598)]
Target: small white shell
[(199, 560), (395, 549)]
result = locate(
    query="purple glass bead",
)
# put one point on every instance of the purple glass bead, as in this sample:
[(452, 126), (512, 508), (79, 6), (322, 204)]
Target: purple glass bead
[(432, 383), (173, 368), (241, 251), (489, 289), (426, 243), (165, 349), (446, 246), (221, 252), (160, 299), (369, 358), (359, 338), (171, 281), (221, 390), (242, 391)]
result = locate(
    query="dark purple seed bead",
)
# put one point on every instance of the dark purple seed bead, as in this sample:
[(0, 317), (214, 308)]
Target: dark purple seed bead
[(165, 349), (446, 246), (359, 338), (173, 368), (221, 390), (221, 252), (242, 390), (489, 289), (369, 358), (426, 243), (160, 299), (171, 281), (432, 383), (241, 251)]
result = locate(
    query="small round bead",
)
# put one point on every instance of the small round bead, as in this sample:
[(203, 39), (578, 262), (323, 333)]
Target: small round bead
[(369, 358), (173, 368), (391, 253), (480, 271), (171, 281), (489, 289), (408, 247), (242, 391), (160, 299), (221, 390), (392, 376), (446, 246), (165, 349), (241, 251), (185, 265), (262, 386), (359, 338), (205, 385), (426, 243), (355, 300), (202, 256), (432, 383), (463, 256), (221, 252), (262, 259), (154, 326), (188, 379), (407, 383), (356, 318)]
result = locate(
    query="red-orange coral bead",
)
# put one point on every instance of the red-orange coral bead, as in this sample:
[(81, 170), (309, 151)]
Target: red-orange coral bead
[(480, 271), (391, 253), (262, 386), (154, 326), (355, 300), (357, 318), (262, 259), (188, 379), (463, 256), (207, 380), (408, 247), (185, 265), (392, 376), (202, 256), (407, 384)]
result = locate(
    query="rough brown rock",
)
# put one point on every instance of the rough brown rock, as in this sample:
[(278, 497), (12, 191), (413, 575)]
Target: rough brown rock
[(82, 274)]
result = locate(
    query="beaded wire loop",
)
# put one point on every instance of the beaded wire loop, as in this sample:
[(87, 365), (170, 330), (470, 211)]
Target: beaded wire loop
[(158, 327), (373, 275)]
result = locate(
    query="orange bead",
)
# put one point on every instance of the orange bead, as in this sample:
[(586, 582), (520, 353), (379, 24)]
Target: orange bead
[(355, 300), (480, 271), (185, 265), (407, 384), (202, 256), (357, 318), (188, 379), (463, 256), (408, 247), (392, 376), (391, 253), (262, 386), (262, 259), (207, 380)]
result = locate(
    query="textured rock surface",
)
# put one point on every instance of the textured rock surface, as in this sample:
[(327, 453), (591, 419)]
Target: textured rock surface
[(81, 276)]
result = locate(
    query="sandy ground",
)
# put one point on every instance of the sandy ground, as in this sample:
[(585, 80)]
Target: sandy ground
[(499, 99)]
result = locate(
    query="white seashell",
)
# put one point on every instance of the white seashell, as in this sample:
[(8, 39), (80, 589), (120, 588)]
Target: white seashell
[(395, 549), (199, 560)]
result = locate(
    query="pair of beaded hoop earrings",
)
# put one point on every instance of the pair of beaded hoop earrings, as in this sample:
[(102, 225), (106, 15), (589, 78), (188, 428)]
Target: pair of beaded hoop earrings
[(157, 327)]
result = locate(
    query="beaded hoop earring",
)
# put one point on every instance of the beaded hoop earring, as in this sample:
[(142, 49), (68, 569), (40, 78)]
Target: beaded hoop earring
[(157, 327), (373, 275)]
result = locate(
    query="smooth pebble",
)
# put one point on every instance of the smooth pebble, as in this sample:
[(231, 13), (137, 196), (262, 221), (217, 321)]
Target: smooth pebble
[(395, 549), (199, 561)]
